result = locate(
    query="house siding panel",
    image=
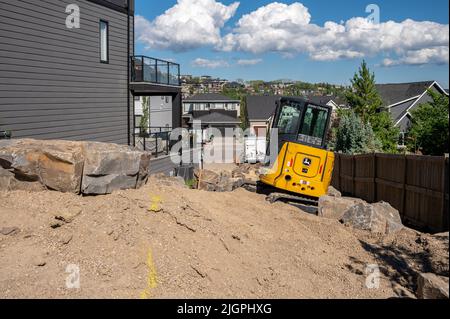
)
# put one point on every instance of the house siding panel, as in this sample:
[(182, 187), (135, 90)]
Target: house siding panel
[(52, 84)]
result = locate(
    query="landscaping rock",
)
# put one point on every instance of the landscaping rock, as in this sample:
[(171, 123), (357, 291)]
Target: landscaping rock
[(248, 172), (57, 165), (431, 286), (7, 231), (8, 182), (334, 207), (111, 167), (333, 192), (71, 167), (380, 218), (214, 182), (207, 180)]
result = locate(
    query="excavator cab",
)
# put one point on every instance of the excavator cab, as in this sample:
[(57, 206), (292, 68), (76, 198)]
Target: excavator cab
[(303, 166)]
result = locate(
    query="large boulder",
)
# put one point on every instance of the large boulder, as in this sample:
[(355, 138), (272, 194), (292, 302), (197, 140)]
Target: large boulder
[(431, 286), (380, 218), (111, 167), (56, 165), (72, 167), (335, 207)]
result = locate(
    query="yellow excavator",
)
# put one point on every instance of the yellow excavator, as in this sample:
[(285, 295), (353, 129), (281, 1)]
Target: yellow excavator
[(303, 167)]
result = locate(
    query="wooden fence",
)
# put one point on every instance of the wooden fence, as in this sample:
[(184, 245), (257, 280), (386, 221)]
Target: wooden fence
[(415, 185)]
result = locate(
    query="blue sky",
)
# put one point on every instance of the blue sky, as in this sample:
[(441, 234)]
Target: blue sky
[(294, 44)]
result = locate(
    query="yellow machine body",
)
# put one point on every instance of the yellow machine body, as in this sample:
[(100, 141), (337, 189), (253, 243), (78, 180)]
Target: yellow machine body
[(301, 169)]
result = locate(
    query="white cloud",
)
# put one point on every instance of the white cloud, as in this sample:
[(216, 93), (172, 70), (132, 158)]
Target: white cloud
[(188, 25), (244, 62), (439, 55), (287, 29), (210, 64)]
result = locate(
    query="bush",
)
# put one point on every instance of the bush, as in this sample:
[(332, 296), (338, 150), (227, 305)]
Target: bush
[(352, 136)]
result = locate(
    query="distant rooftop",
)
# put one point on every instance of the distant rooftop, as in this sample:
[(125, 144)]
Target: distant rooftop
[(209, 97), (261, 107), (396, 92)]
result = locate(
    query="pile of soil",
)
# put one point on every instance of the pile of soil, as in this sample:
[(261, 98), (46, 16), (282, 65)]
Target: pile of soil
[(167, 241)]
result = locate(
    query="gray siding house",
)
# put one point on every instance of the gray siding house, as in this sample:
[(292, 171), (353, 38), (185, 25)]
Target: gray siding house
[(402, 98), (71, 83), (68, 71)]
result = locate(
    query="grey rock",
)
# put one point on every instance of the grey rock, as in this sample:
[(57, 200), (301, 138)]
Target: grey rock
[(103, 185), (333, 192), (214, 182), (380, 218), (334, 207), (9, 231), (431, 286)]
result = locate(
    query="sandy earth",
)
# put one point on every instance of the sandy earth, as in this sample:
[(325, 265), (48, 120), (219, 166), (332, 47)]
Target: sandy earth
[(166, 241)]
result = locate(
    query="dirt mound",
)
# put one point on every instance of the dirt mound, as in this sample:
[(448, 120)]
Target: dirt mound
[(167, 241)]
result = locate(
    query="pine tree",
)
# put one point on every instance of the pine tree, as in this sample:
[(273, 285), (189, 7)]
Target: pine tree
[(363, 96), (366, 102)]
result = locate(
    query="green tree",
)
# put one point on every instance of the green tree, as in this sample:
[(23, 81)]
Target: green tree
[(429, 131), (363, 96), (366, 102), (353, 136), (145, 119), (245, 124), (386, 131)]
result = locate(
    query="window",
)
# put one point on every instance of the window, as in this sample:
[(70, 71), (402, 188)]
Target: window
[(188, 108), (104, 41), (289, 119), (217, 106), (314, 125)]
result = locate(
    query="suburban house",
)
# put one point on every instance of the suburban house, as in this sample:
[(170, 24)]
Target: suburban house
[(401, 98), (260, 110), (328, 100), (212, 111), (68, 71), (160, 110)]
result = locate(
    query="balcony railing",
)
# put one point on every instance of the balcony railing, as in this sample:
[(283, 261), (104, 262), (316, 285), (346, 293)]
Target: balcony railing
[(150, 70)]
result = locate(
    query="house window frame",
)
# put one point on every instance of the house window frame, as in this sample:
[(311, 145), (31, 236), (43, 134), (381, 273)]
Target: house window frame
[(101, 22)]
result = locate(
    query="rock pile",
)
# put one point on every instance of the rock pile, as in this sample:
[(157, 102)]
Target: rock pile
[(379, 218), (87, 168), (217, 182)]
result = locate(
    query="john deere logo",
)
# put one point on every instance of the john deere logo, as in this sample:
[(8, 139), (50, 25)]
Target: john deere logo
[(307, 162)]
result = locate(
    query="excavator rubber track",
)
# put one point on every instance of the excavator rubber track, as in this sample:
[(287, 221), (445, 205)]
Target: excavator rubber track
[(275, 197)]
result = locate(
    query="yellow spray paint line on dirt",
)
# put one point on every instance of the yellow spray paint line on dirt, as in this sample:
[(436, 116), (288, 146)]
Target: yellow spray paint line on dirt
[(152, 277), (155, 205)]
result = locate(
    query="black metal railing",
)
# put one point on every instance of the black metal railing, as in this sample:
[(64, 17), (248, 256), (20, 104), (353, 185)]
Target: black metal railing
[(155, 140), (151, 70)]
